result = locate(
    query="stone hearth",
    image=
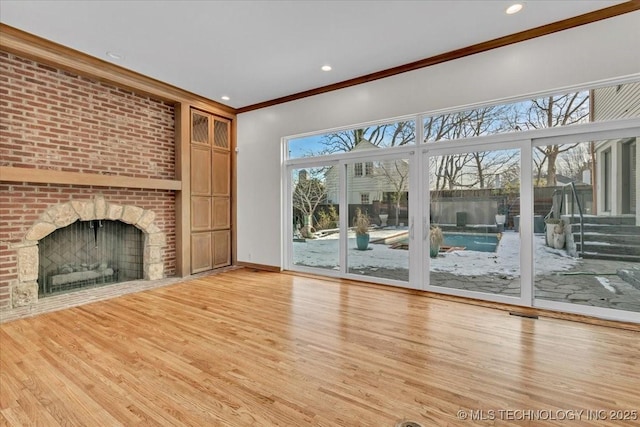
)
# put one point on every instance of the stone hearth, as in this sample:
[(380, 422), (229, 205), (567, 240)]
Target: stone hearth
[(25, 292)]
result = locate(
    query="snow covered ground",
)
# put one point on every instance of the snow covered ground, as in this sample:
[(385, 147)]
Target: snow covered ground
[(324, 252)]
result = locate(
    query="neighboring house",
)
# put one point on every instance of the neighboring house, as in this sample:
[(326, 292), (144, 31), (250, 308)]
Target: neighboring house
[(617, 162), (369, 181)]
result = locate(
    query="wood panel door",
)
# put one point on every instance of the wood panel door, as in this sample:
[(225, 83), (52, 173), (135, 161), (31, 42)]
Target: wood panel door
[(201, 174), (201, 252), (221, 248), (201, 215), (210, 191), (221, 213), (221, 173)]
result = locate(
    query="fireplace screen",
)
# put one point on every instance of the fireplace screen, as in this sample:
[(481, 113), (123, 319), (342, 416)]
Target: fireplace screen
[(89, 253)]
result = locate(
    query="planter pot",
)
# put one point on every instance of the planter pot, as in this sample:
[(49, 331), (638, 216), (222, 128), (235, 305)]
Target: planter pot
[(501, 219), (555, 235), (362, 242), (434, 250), (383, 219), (550, 228), (558, 240)]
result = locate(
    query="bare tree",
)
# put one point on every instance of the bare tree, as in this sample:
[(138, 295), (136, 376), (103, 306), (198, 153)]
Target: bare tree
[(492, 164), (396, 172), (449, 171), (539, 162), (573, 162), (308, 193), (447, 127), (478, 169), (549, 112), (453, 170), (388, 135), (546, 112)]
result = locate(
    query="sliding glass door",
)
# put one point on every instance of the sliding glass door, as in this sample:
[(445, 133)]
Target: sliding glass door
[(472, 200), (547, 218), (587, 250), (314, 218), (352, 218), (380, 217)]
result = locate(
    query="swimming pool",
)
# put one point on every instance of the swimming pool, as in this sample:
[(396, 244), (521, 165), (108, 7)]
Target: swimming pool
[(472, 241), (479, 242)]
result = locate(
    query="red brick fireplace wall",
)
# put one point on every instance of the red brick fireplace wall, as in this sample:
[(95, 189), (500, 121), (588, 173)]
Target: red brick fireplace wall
[(51, 119)]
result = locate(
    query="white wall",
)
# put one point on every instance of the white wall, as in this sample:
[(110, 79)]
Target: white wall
[(603, 50)]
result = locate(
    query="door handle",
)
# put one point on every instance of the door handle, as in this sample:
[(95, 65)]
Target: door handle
[(411, 229)]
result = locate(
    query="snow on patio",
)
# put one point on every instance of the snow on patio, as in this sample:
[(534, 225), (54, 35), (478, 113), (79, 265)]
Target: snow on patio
[(324, 252)]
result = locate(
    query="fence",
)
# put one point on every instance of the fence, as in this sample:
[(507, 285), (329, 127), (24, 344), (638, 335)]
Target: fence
[(479, 206)]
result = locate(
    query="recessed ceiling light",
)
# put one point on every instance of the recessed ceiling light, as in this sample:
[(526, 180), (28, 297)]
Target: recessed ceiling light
[(225, 98), (514, 8), (115, 55), (326, 68)]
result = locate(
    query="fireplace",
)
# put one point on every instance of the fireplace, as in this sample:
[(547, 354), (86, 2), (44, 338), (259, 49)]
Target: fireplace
[(52, 259), (87, 254)]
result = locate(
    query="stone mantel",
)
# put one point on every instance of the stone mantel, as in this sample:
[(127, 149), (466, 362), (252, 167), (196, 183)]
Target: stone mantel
[(25, 292)]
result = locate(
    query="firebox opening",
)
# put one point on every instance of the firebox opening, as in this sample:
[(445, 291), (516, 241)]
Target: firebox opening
[(88, 254)]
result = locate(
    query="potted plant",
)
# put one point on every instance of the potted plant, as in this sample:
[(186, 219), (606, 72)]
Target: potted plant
[(555, 232), (436, 238), (361, 223)]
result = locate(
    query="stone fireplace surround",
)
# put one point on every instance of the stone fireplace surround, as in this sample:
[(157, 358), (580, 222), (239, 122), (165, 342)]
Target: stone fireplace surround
[(25, 292)]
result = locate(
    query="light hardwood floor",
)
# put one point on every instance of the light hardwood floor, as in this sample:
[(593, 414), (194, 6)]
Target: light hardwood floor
[(246, 348)]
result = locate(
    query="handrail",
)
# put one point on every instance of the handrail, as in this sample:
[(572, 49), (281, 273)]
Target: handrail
[(577, 200)]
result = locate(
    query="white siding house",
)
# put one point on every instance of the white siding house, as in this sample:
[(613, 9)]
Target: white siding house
[(368, 181), (617, 162)]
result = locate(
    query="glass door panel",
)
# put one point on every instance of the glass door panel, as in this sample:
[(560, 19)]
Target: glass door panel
[(377, 193), (315, 218), (587, 251), (474, 211)]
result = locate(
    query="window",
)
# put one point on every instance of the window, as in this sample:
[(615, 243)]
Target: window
[(549, 111), (357, 169), (368, 168), (561, 109), (370, 137), (364, 198)]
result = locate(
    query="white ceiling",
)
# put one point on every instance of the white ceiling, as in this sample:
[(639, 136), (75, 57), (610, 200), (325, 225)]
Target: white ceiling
[(255, 51)]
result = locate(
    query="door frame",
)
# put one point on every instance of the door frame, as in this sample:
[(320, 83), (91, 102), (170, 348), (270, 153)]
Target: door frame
[(526, 227)]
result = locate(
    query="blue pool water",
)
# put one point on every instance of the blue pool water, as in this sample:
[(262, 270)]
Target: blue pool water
[(472, 241)]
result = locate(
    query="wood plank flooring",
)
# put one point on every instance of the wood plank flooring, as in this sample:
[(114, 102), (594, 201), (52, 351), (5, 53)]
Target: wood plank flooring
[(246, 348)]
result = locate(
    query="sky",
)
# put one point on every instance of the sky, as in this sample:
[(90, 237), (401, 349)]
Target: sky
[(304, 146), (299, 147)]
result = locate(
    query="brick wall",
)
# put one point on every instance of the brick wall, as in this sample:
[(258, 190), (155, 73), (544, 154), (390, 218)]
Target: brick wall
[(52, 119)]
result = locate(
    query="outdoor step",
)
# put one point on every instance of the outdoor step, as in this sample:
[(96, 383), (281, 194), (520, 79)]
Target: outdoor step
[(608, 220), (621, 239), (607, 229), (600, 248), (612, 257)]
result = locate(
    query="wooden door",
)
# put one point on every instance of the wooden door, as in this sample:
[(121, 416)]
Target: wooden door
[(210, 191)]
